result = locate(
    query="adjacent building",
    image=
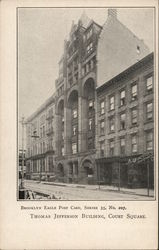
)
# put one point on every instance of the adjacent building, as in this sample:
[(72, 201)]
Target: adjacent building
[(40, 164), (125, 133)]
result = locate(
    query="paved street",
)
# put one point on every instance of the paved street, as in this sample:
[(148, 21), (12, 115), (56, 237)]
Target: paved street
[(80, 192)]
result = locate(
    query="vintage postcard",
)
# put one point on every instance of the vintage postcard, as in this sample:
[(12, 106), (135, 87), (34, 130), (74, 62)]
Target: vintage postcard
[(79, 110)]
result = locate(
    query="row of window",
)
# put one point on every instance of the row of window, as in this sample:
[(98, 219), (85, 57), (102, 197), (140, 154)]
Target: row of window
[(122, 119), (41, 166), (60, 91), (122, 97), (89, 66), (41, 148), (88, 35), (122, 142)]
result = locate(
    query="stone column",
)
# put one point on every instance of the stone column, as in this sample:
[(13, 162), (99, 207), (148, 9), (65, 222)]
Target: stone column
[(82, 124)]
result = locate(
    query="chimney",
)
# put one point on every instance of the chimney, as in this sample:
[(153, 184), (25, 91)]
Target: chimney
[(112, 13)]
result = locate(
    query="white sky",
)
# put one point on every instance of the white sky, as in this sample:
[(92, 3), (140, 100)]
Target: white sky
[(41, 37)]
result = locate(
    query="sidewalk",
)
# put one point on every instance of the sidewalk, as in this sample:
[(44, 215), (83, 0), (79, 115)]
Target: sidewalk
[(135, 191)]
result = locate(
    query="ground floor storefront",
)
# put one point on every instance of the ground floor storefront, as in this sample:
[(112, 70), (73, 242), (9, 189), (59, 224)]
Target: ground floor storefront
[(135, 171)]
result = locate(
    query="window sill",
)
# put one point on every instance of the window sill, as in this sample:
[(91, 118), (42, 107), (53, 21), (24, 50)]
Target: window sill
[(148, 93), (136, 100), (134, 125), (122, 130), (148, 121), (111, 132), (122, 106)]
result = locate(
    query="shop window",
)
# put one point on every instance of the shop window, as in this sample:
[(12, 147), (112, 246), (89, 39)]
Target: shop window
[(111, 103), (134, 143), (149, 140), (122, 121), (134, 92)]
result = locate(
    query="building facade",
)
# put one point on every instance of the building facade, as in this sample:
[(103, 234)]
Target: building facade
[(40, 154), (76, 102), (125, 135), (91, 57)]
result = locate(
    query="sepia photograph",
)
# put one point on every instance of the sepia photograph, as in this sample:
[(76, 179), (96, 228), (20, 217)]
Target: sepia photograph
[(86, 103)]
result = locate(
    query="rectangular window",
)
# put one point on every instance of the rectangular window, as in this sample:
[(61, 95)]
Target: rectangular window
[(111, 102), (90, 104), (62, 151), (122, 146), (62, 134), (74, 148), (102, 127), (134, 143), (122, 98), (112, 124), (89, 47), (74, 113), (102, 148), (149, 111), (134, 92), (89, 34), (102, 109), (74, 130), (149, 140), (134, 116), (90, 121), (123, 121), (149, 83), (111, 148)]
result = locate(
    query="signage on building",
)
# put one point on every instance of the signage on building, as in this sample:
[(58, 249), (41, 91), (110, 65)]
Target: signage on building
[(141, 158)]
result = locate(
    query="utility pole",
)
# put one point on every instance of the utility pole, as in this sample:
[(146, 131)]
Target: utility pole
[(22, 152), (148, 177), (119, 175)]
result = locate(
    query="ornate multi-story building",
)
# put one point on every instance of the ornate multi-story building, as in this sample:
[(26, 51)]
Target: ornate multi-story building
[(40, 162), (92, 56), (89, 46)]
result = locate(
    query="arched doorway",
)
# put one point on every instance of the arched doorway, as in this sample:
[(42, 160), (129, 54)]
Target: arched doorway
[(88, 171)]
